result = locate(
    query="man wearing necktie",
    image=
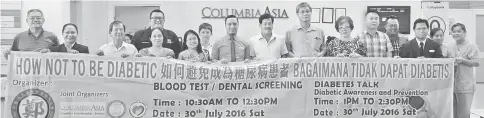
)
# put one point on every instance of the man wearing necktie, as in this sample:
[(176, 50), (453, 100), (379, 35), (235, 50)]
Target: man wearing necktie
[(421, 46), (231, 47)]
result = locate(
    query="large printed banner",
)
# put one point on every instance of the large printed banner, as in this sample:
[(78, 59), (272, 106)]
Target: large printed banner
[(87, 86)]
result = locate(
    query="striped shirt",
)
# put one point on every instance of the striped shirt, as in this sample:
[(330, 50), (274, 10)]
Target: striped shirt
[(26, 41), (377, 45)]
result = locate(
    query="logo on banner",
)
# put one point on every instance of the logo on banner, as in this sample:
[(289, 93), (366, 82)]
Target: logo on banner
[(116, 109), (33, 103), (137, 109), (437, 22), (209, 12)]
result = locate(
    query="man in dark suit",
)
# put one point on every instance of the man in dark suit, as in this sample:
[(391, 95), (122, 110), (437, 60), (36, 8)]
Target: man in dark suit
[(141, 39), (421, 46), (77, 47)]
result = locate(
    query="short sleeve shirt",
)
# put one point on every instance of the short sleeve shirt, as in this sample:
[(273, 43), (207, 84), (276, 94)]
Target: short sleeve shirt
[(305, 43), (110, 50), (465, 78), (268, 50), (188, 56), (163, 52), (26, 41), (377, 45)]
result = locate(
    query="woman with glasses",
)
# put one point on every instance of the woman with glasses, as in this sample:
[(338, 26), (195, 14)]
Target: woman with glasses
[(345, 45)]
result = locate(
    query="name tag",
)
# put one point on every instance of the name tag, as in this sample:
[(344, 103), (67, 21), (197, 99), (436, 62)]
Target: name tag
[(168, 41), (145, 42), (431, 50)]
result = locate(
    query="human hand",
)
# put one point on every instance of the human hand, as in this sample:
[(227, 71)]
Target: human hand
[(100, 53), (45, 50), (74, 51), (354, 55), (124, 55), (224, 61), (138, 55), (247, 61), (6, 53)]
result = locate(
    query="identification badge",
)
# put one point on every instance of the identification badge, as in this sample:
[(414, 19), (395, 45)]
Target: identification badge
[(169, 41), (431, 50)]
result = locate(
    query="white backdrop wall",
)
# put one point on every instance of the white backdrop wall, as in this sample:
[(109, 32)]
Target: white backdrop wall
[(184, 15)]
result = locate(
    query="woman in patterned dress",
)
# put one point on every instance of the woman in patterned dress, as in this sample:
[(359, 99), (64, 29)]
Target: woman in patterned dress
[(345, 45), (192, 49), (157, 50)]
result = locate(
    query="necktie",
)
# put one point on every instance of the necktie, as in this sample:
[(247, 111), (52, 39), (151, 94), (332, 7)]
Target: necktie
[(207, 54), (421, 49), (232, 49)]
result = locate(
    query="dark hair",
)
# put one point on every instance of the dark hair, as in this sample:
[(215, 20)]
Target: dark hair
[(303, 4), (391, 17), (434, 31), (161, 30), (129, 36), (420, 21), (205, 26), (231, 16), (163, 34), (372, 11), (35, 10), (461, 26), (185, 47), (115, 23), (156, 10), (72, 24), (340, 19), (266, 16)]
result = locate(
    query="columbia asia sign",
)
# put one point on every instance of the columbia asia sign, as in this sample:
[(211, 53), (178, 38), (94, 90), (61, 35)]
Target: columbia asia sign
[(216, 13)]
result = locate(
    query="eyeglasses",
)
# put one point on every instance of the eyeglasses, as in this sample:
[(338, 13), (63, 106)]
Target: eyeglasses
[(457, 31), (422, 28), (36, 18), (393, 25), (157, 18), (344, 27), (305, 11)]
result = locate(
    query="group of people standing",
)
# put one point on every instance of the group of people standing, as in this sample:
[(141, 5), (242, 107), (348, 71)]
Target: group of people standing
[(303, 40)]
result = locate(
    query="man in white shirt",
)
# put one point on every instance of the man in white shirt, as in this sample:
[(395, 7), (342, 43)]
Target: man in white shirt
[(117, 47), (267, 46)]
